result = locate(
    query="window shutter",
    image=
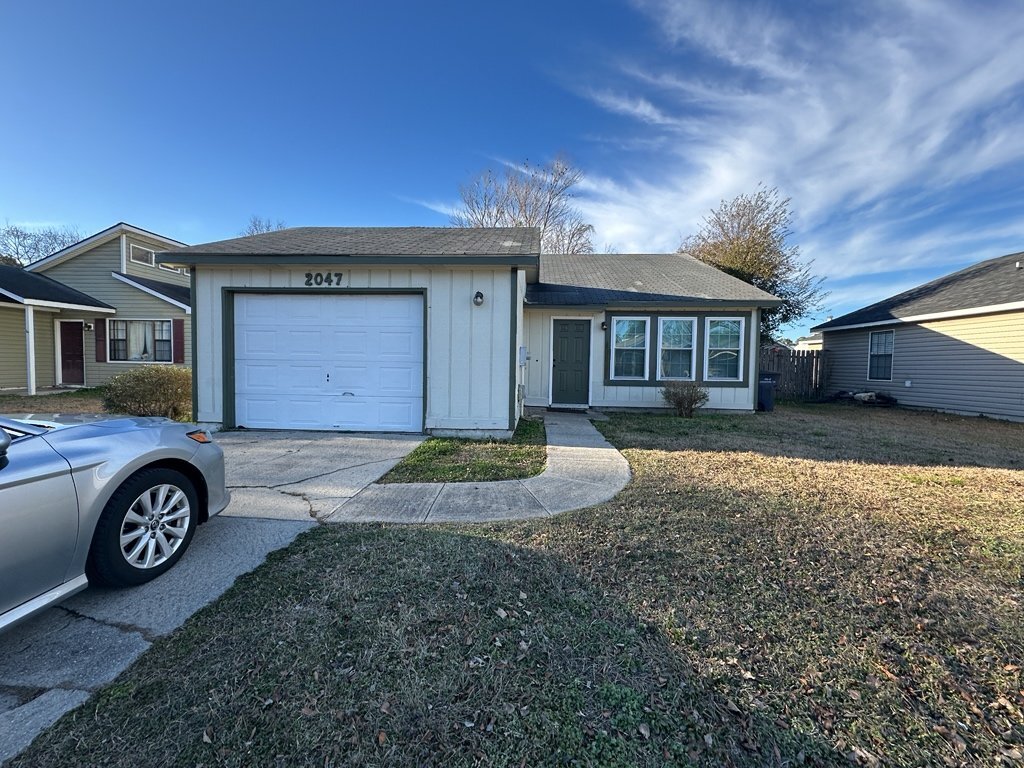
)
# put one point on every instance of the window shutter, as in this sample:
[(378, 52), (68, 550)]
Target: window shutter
[(100, 324), (178, 340)]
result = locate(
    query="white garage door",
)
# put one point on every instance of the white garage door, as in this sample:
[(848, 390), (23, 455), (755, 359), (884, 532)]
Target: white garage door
[(347, 362)]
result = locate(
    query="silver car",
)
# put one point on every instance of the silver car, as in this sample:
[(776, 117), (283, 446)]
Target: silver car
[(113, 502)]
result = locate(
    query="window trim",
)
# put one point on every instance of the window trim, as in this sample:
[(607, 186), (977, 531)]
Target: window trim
[(741, 352), (892, 355), (646, 319), (110, 339), (168, 269), (693, 348), (132, 247)]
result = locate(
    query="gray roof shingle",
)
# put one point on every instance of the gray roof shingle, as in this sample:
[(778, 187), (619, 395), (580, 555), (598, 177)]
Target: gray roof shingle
[(179, 293), (985, 284), (614, 279), (406, 242), (31, 285)]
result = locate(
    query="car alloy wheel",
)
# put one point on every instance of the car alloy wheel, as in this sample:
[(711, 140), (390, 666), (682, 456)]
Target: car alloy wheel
[(154, 526)]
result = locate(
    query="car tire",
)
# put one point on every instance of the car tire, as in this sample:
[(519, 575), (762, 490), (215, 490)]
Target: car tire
[(144, 529)]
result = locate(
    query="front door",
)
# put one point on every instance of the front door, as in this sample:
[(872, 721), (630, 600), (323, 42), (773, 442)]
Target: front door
[(72, 353), (570, 363)]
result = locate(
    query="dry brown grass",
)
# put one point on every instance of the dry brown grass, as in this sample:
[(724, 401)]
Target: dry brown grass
[(818, 586), (78, 401)]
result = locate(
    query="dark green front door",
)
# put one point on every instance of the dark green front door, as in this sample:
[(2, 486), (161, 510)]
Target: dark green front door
[(570, 363)]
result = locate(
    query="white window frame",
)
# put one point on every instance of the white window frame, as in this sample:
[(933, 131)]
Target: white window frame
[(110, 340), (892, 355), (707, 346), (647, 348), (693, 348), (131, 255), (169, 269)]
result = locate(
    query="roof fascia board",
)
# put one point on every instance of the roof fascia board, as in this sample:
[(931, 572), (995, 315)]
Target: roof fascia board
[(151, 292), (12, 295), (68, 305), (92, 241), (970, 312), (299, 259)]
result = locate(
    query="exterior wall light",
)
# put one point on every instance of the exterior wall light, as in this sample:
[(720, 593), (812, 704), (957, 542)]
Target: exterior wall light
[(478, 298), (604, 325)]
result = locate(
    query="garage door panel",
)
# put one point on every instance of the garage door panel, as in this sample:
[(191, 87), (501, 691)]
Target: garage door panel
[(329, 362)]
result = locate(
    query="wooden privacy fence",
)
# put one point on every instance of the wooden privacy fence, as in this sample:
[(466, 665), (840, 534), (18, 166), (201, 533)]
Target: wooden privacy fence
[(803, 375)]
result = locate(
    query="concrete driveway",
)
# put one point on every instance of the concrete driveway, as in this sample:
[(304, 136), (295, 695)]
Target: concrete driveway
[(281, 483)]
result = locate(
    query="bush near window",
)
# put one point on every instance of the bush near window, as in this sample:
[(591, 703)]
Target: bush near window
[(684, 396), (151, 390)]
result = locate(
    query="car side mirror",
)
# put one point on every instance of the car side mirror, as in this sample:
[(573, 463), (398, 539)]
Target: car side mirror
[(5, 443)]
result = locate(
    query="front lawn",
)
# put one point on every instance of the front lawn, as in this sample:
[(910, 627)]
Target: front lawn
[(75, 401), (457, 460), (822, 585)]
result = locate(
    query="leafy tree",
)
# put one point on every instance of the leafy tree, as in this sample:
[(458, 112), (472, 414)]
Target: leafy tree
[(23, 245), (749, 238), (258, 226), (529, 196)]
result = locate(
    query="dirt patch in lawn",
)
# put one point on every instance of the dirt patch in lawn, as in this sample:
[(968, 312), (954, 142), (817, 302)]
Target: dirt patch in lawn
[(76, 401), (457, 460), (739, 603)]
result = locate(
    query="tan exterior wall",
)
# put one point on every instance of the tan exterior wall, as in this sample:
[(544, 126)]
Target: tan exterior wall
[(970, 365), (13, 372), (468, 347)]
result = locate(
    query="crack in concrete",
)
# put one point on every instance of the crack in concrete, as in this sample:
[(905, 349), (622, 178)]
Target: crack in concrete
[(146, 634), (335, 471)]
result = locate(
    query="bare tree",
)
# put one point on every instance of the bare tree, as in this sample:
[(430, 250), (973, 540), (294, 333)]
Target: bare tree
[(749, 238), (23, 245), (529, 196), (258, 226)]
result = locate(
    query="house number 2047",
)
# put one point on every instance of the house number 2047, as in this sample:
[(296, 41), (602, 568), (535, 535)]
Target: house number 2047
[(323, 278)]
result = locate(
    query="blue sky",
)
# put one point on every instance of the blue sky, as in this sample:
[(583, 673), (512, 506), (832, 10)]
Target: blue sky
[(895, 127)]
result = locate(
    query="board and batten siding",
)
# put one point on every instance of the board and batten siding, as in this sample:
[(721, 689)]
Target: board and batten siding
[(89, 272), (468, 347), (13, 373), (538, 327), (967, 365)]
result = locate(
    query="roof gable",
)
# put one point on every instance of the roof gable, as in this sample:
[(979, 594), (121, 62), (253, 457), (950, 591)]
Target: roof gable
[(990, 285), (106, 235)]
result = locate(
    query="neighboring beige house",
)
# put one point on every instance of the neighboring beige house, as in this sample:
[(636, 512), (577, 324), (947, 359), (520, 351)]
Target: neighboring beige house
[(447, 330), (954, 344), (809, 343), (137, 315)]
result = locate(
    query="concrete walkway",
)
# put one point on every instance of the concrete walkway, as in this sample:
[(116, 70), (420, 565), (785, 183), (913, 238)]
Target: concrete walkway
[(583, 469)]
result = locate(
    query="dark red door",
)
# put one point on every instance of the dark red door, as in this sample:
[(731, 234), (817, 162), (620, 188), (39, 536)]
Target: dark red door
[(72, 354)]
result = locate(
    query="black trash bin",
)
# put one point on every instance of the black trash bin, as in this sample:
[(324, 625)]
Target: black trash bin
[(766, 382)]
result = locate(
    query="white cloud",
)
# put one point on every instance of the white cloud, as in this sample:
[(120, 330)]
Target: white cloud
[(882, 124)]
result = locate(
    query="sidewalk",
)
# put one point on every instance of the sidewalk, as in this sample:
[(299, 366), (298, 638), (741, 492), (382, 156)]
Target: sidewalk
[(583, 469)]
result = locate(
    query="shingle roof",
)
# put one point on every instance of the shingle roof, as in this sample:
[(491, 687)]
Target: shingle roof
[(452, 243), (985, 284), (179, 293), (608, 279), (33, 286)]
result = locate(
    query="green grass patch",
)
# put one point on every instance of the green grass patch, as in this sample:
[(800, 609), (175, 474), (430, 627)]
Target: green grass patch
[(457, 460), (759, 595)]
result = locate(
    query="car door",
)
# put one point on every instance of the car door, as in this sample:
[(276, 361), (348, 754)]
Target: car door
[(38, 520)]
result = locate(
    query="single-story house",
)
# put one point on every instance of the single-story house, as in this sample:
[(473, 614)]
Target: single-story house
[(127, 310), (953, 344), (453, 331)]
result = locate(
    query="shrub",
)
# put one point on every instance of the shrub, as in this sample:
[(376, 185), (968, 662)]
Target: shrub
[(684, 396), (151, 390)]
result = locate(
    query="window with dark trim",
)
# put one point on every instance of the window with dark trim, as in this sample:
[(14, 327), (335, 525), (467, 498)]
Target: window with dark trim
[(629, 347), (140, 341), (880, 345), (676, 347), (723, 349)]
